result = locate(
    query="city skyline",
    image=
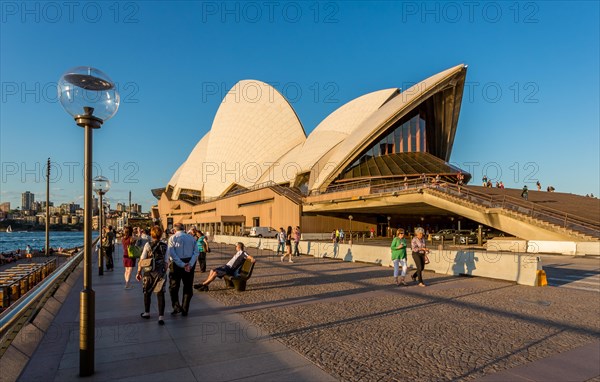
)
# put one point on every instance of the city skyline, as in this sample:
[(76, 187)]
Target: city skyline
[(28, 202), (526, 62)]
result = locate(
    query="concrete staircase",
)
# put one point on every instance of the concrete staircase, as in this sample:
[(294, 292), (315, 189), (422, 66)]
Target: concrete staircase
[(502, 201)]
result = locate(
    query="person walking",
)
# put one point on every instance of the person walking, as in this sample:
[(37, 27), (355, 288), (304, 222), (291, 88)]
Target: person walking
[(128, 262), (143, 237), (288, 245), (183, 253), (399, 256), (108, 247), (419, 251), (202, 244), (524, 193), (154, 278), (280, 241), (297, 236)]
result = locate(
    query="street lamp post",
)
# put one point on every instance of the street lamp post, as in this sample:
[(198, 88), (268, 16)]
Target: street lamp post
[(388, 230), (350, 217), (101, 185), (48, 209), (83, 91)]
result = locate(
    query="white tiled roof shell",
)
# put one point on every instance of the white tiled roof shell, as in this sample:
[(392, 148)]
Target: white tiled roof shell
[(254, 125), (336, 127), (190, 173), (175, 177), (335, 160)]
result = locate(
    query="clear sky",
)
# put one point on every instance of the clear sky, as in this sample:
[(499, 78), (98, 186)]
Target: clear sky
[(530, 109)]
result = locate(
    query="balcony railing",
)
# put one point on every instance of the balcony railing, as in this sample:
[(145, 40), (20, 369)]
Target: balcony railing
[(506, 203)]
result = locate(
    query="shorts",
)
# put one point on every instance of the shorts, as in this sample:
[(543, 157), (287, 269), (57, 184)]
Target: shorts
[(223, 270)]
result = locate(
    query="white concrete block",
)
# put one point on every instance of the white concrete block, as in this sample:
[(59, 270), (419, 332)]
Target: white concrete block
[(545, 246), (588, 248)]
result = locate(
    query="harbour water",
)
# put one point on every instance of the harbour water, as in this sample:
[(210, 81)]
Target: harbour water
[(37, 239)]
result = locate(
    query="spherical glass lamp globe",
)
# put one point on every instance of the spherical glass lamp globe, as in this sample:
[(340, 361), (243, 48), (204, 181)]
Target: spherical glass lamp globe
[(83, 87), (100, 184)]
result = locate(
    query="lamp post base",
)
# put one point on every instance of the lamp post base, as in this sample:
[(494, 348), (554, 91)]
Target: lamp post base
[(87, 331)]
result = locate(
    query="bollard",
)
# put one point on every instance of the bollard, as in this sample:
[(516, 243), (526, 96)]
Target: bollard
[(541, 279)]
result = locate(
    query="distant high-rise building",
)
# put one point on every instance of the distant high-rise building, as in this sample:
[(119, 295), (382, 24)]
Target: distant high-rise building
[(136, 208), (5, 207), (69, 208), (27, 200), (121, 207), (94, 204), (37, 206)]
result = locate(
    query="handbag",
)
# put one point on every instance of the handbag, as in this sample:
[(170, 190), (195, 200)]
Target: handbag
[(425, 259), (147, 264), (134, 252)]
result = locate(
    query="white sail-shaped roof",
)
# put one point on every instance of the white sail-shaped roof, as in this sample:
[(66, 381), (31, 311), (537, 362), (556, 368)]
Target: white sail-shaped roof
[(175, 177), (256, 135), (336, 127), (254, 126), (337, 159), (190, 173)]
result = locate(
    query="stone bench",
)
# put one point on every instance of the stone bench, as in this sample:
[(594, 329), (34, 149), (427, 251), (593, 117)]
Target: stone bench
[(239, 282)]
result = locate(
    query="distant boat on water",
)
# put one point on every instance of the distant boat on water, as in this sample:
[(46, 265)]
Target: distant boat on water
[(9, 229)]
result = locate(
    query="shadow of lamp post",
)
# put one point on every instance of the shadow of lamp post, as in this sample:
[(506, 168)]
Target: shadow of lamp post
[(91, 98)]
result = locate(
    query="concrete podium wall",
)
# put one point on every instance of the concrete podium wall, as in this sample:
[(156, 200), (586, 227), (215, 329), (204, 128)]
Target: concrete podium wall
[(588, 248), (568, 248), (517, 267)]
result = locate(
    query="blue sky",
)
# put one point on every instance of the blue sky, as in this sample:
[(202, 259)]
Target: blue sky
[(530, 109)]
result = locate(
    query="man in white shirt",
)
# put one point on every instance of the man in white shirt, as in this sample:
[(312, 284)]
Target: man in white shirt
[(182, 252), (230, 268)]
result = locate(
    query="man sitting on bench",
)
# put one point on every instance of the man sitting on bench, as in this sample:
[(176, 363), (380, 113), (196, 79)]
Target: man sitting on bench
[(228, 269)]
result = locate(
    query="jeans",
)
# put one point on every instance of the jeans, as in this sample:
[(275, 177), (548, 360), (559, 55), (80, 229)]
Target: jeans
[(397, 264), (202, 261), (296, 251), (281, 246)]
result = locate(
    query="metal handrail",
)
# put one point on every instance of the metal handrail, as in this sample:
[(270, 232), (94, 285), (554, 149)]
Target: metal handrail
[(531, 205), (14, 312), (504, 202), (288, 192), (534, 210)]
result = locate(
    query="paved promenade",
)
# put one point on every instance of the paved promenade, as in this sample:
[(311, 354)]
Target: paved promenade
[(323, 319)]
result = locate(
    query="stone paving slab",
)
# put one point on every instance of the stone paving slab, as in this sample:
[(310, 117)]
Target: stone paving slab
[(580, 364), (347, 320), (209, 344)]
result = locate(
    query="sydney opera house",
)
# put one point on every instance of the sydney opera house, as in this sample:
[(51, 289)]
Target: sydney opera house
[(257, 167)]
